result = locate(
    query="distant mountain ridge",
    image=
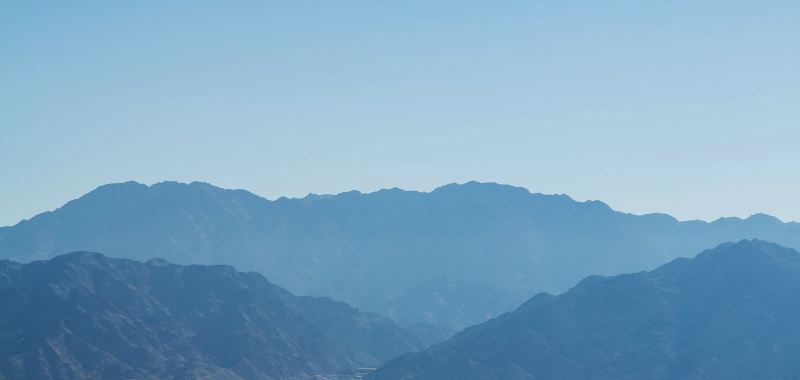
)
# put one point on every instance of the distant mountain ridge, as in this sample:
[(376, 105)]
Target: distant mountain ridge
[(446, 301), (729, 313), (366, 248), (86, 316)]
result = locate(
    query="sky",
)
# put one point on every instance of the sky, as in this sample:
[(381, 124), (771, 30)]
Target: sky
[(684, 107)]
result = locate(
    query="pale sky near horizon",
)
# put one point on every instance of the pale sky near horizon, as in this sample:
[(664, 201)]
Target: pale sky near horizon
[(683, 107)]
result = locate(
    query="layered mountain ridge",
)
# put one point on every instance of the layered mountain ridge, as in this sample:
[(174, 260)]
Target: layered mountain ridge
[(365, 249)]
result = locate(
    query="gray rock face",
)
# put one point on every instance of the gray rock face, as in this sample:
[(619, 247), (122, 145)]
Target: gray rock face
[(86, 316), (365, 249), (729, 313)]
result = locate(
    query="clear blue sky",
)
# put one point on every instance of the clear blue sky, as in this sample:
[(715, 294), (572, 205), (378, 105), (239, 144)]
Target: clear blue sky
[(685, 107)]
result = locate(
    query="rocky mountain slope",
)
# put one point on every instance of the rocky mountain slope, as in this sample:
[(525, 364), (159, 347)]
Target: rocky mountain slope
[(729, 313), (86, 316)]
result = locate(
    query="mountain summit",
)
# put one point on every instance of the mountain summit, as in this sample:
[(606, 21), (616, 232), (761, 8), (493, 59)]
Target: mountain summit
[(729, 313)]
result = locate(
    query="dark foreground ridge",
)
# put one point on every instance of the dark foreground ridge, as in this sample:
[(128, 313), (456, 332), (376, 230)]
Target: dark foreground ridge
[(730, 313), (86, 316)]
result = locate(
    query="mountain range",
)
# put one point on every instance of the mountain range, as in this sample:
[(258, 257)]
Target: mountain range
[(86, 316), (381, 251), (729, 313)]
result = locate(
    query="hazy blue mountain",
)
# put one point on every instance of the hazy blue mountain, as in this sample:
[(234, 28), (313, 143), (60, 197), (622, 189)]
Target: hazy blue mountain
[(729, 313), (86, 316), (446, 301), (366, 248)]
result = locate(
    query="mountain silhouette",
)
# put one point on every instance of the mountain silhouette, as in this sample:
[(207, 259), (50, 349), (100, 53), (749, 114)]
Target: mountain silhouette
[(729, 313), (86, 316), (370, 250)]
